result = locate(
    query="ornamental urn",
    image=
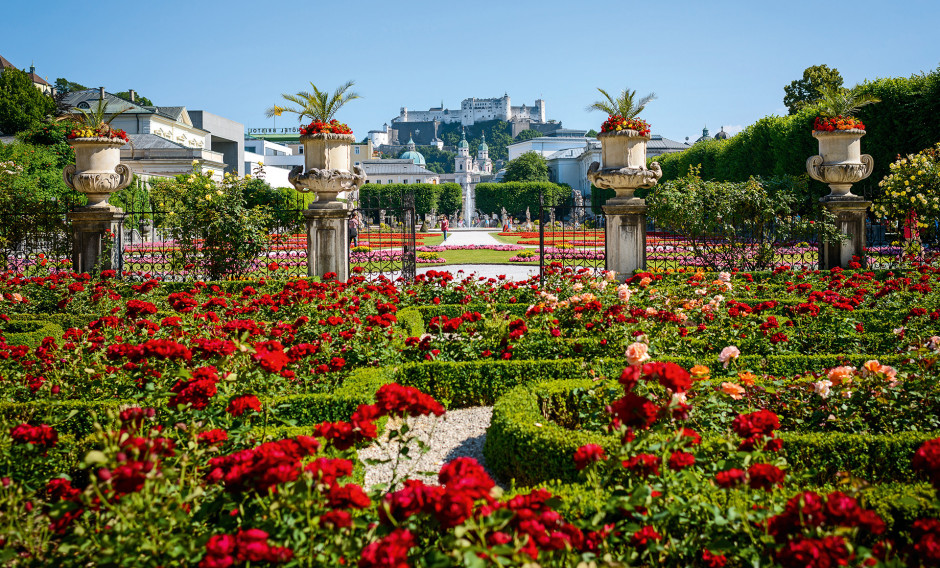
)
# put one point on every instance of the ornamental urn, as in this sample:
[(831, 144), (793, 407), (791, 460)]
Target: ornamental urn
[(326, 168), (624, 155), (840, 161), (97, 171)]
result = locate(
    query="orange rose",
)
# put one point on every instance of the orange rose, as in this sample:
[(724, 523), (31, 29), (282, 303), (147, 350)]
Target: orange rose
[(839, 374), (637, 353), (747, 377), (700, 371), (734, 391)]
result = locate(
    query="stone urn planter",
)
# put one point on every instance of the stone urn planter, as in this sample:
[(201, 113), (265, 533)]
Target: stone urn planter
[(97, 171), (325, 170), (840, 161), (624, 155)]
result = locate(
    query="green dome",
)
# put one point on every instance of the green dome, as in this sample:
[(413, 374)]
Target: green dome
[(483, 147), (414, 156), (463, 141)]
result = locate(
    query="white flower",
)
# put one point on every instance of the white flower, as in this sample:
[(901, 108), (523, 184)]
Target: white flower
[(724, 277), (822, 388)]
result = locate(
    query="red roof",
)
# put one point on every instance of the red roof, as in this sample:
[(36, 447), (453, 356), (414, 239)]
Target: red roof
[(4, 63)]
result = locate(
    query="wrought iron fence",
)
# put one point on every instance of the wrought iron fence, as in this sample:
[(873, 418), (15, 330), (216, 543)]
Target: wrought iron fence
[(747, 245), (37, 238), (571, 238), (154, 243), (382, 237)]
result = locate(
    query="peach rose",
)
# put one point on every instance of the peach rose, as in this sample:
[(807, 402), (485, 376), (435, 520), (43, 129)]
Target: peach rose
[(637, 353), (727, 354), (839, 374), (734, 391), (645, 281), (747, 378), (822, 388)]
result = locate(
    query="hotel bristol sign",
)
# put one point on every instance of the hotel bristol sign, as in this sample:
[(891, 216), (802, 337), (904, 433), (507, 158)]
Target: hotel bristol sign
[(290, 130)]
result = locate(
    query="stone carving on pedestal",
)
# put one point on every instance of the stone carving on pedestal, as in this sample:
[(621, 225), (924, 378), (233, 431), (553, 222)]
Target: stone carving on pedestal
[(326, 173), (97, 172), (624, 171), (840, 163), (326, 159)]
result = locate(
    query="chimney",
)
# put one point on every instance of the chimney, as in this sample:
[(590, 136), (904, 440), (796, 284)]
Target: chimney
[(133, 95), (101, 93)]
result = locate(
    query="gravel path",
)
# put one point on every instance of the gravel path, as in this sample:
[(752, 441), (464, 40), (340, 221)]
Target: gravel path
[(459, 433)]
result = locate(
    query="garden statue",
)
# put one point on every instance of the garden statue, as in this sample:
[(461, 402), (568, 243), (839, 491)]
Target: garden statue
[(381, 218), (578, 213), (528, 220)]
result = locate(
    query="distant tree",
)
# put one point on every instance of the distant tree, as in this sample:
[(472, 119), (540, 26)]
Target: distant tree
[(591, 133), (64, 86), (809, 89), (126, 95), (527, 167), (528, 134), (22, 105)]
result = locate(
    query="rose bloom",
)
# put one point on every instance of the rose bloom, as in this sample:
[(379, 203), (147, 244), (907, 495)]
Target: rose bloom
[(623, 293), (724, 277), (822, 388), (578, 287), (610, 275), (645, 281), (747, 378), (637, 353), (700, 371), (839, 374), (727, 354), (734, 391), (933, 343)]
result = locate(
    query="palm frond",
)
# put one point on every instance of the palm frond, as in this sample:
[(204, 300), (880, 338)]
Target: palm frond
[(624, 104)]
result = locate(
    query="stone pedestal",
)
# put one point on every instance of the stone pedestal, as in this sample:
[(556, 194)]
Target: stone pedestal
[(96, 238), (327, 239), (625, 236), (849, 212)]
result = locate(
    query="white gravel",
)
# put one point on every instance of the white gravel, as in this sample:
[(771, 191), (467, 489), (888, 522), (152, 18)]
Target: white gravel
[(459, 433)]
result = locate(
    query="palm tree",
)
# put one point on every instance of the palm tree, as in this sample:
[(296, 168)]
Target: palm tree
[(839, 101), (624, 105), (318, 106), (97, 119)]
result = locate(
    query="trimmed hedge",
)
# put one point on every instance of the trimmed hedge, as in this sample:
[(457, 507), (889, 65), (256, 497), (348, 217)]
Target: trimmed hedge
[(522, 444), (30, 332)]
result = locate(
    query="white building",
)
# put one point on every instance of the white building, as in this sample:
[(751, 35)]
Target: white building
[(277, 160), (545, 146), (475, 110), (164, 141)]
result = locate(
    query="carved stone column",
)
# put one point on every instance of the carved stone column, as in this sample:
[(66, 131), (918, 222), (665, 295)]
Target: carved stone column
[(850, 214), (625, 243), (327, 239), (96, 239), (624, 171), (97, 172), (840, 164)]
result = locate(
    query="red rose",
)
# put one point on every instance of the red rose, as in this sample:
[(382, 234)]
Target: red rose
[(764, 476), (588, 454), (681, 460), (762, 422), (730, 478), (242, 404)]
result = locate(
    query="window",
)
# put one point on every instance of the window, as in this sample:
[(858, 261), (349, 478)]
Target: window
[(301, 149), (390, 181), (357, 153), (378, 181), (404, 181)]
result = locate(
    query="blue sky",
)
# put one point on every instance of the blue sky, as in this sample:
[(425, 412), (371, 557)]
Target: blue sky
[(715, 63)]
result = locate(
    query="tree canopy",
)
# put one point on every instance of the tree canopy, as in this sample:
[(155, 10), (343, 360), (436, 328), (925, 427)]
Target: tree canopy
[(64, 86), (126, 95), (809, 89), (527, 167), (22, 105), (528, 134)]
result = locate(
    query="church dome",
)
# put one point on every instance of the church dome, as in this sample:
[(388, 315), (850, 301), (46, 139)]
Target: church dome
[(722, 135), (414, 156), (704, 135), (483, 147), (463, 141)]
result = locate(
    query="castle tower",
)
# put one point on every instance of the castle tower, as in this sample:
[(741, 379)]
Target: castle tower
[(463, 163)]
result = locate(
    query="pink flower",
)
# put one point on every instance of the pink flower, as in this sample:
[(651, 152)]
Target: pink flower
[(727, 354), (637, 353)]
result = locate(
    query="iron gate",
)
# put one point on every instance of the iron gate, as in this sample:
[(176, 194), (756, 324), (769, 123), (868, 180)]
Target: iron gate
[(571, 238), (385, 242)]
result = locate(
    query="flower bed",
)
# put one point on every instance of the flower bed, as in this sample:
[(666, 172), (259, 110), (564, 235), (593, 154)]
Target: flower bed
[(252, 396)]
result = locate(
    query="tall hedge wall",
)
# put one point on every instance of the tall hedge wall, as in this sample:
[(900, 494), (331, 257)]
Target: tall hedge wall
[(516, 196), (906, 121), (444, 198)]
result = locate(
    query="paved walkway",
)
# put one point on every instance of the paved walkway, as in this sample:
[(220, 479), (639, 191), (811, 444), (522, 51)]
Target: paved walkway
[(518, 272), (471, 237)]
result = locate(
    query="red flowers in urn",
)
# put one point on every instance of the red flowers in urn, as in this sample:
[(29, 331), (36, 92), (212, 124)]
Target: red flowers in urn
[(831, 123), (617, 122), (318, 127)]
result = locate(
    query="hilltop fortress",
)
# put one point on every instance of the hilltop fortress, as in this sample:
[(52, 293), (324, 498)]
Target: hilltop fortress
[(422, 125)]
